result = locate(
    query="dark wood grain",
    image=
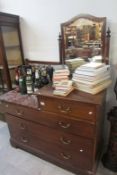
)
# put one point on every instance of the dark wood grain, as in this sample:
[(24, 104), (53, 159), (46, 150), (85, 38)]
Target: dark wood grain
[(71, 139)]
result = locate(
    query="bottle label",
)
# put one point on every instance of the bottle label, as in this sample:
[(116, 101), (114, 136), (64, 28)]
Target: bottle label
[(29, 71), (29, 88), (36, 89)]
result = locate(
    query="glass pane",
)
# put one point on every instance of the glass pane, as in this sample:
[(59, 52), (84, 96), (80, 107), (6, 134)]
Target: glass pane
[(11, 44), (3, 84), (12, 50)]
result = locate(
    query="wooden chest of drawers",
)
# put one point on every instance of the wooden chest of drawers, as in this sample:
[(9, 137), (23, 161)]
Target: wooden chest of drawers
[(64, 130)]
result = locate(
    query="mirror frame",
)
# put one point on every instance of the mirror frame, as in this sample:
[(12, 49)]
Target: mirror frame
[(104, 37)]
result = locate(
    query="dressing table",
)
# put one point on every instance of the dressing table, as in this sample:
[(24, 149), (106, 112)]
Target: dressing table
[(67, 131)]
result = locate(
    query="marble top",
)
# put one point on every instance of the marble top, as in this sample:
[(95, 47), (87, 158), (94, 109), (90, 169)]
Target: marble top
[(17, 98)]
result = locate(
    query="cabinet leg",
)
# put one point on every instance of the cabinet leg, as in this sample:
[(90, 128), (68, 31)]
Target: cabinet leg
[(13, 144)]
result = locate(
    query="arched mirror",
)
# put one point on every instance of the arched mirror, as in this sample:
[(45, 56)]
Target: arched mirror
[(84, 36)]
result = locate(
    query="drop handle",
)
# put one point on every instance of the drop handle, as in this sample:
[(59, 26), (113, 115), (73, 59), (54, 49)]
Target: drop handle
[(63, 125), (65, 156), (6, 105), (65, 141), (24, 139), (19, 112), (63, 109), (22, 126)]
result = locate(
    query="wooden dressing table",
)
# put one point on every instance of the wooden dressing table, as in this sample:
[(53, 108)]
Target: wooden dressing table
[(67, 131)]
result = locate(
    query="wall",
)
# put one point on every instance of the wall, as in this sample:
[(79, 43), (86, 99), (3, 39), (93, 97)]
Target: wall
[(40, 26), (40, 22)]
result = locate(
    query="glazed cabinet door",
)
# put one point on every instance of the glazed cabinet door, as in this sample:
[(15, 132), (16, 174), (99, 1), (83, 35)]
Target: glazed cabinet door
[(11, 49)]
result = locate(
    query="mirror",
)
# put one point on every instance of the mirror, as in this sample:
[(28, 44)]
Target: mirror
[(84, 36)]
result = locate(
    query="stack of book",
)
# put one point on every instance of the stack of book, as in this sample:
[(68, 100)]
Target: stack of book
[(60, 75), (92, 77), (74, 63), (63, 88), (61, 83)]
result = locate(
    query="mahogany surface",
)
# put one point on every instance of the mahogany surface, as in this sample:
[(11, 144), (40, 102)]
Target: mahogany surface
[(69, 134)]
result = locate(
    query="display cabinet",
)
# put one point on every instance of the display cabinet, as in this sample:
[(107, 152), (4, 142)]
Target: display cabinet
[(11, 52)]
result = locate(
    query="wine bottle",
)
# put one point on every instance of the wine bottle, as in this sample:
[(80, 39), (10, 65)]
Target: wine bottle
[(16, 81), (44, 77), (37, 84), (22, 82), (29, 81)]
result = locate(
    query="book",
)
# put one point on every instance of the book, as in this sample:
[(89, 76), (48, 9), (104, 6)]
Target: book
[(92, 83), (92, 65), (96, 89), (63, 93), (90, 78), (94, 72)]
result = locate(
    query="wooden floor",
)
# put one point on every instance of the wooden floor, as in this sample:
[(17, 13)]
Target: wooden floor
[(18, 162)]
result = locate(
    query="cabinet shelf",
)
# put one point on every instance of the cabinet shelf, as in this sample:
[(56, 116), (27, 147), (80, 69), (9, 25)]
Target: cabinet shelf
[(12, 47)]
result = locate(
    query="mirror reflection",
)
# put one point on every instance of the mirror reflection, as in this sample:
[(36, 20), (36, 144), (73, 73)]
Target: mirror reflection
[(83, 36)]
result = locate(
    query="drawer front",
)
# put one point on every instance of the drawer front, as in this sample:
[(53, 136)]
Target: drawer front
[(52, 120), (68, 141), (20, 111), (72, 150), (69, 157), (69, 108), (67, 125), (16, 125)]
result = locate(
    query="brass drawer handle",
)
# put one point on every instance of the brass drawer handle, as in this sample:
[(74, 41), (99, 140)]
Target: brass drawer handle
[(22, 126), (65, 126), (24, 139), (65, 141), (6, 105), (66, 157), (63, 109), (18, 112)]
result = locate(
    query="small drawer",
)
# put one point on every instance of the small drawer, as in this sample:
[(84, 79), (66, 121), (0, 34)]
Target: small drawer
[(75, 109), (16, 125), (21, 111)]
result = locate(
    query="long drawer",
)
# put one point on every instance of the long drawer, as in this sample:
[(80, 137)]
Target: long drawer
[(75, 109), (65, 147), (21, 111), (62, 123), (55, 121)]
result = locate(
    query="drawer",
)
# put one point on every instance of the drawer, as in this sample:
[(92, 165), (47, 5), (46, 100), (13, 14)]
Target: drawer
[(71, 157), (21, 111), (16, 125), (71, 150), (75, 109), (52, 120), (67, 125), (64, 140)]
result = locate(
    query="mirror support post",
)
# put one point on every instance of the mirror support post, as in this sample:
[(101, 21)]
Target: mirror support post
[(60, 49), (106, 55)]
